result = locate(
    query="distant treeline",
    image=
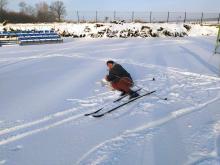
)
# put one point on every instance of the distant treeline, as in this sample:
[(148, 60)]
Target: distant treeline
[(41, 12)]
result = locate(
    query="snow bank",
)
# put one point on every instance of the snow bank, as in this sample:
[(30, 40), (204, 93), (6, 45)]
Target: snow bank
[(119, 29)]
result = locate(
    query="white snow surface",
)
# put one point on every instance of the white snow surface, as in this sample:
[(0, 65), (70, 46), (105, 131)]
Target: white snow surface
[(47, 89)]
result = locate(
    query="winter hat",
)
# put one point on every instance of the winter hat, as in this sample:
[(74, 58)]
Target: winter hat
[(110, 62)]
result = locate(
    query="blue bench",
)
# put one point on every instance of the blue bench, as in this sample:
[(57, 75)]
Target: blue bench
[(32, 37)]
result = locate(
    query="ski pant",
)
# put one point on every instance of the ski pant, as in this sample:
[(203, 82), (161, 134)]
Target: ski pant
[(124, 84)]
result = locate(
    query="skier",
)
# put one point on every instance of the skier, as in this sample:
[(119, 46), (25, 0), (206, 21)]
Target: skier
[(120, 79)]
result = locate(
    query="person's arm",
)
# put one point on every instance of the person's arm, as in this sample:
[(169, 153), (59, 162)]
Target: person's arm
[(110, 77)]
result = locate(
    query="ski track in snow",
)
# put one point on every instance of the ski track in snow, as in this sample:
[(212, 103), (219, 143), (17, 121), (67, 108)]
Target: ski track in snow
[(34, 131), (44, 119), (200, 88), (55, 53), (100, 153), (202, 155), (60, 116), (114, 145), (96, 153)]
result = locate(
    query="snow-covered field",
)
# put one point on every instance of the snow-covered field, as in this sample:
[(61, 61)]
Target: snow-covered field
[(47, 89)]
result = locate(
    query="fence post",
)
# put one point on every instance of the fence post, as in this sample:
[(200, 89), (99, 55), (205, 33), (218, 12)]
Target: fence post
[(150, 16), (96, 16), (77, 13), (132, 16), (219, 18), (202, 18), (114, 15), (168, 16), (185, 18)]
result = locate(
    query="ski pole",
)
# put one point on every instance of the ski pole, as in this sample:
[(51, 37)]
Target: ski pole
[(143, 88), (152, 93), (150, 79)]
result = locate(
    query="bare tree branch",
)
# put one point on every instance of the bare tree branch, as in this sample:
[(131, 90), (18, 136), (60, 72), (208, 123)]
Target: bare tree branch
[(3, 4), (58, 9)]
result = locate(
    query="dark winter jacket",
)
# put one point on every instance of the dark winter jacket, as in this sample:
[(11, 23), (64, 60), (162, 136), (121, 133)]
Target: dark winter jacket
[(117, 72)]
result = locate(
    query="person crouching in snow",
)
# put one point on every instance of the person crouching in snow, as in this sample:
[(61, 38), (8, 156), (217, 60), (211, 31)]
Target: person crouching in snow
[(120, 79)]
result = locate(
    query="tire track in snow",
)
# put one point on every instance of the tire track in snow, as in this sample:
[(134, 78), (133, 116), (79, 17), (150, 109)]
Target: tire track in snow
[(115, 144)]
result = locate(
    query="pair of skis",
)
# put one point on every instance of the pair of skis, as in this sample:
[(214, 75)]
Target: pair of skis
[(97, 114)]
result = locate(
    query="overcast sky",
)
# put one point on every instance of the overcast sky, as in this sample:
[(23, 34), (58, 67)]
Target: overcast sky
[(133, 5)]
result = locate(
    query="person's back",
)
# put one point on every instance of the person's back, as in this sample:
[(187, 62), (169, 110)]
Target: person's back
[(117, 72), (120, 79)]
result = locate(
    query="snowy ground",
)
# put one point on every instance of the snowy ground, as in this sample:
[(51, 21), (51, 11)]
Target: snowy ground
[(46, 89)]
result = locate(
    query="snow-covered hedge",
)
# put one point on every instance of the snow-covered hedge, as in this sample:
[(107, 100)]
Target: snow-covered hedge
[(118, 30)]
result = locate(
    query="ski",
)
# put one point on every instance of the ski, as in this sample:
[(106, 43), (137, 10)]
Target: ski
[(119, 99), (88, 114), (129, 101)]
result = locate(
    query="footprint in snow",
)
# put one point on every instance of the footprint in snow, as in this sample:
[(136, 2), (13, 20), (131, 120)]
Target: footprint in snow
[(17, 148)]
